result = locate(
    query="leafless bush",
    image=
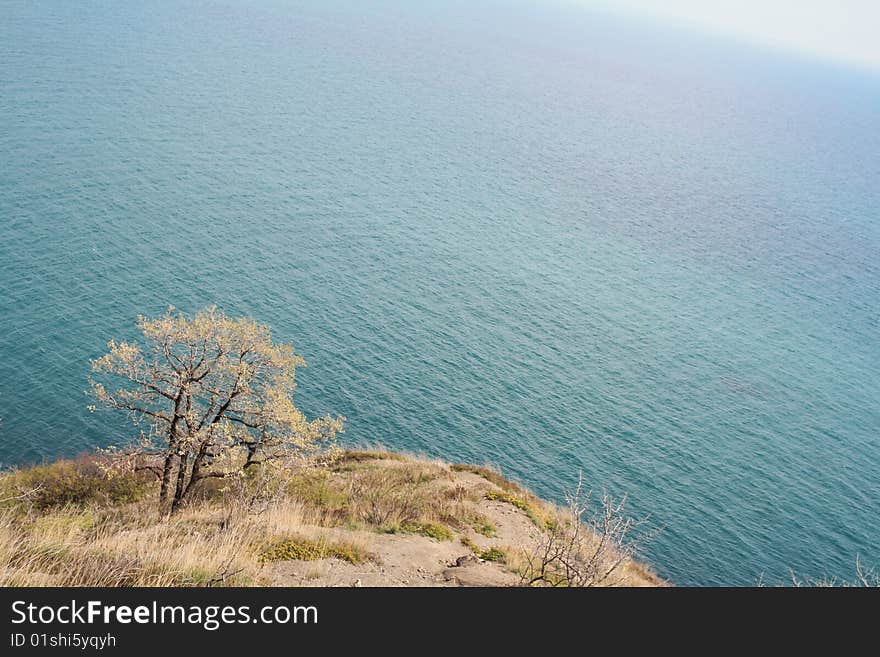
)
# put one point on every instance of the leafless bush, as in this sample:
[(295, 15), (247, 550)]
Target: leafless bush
[(865, 577), (580, 549)]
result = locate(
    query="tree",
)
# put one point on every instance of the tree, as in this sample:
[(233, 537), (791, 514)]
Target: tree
[(215, 394)]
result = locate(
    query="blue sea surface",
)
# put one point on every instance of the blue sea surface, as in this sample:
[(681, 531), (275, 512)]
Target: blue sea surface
[(502, 232)]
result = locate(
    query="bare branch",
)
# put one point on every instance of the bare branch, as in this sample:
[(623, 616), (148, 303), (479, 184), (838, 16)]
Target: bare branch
[(22, 496), (573, 552)]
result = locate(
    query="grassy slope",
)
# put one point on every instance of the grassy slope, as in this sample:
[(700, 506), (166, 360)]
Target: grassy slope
[(374, 516)]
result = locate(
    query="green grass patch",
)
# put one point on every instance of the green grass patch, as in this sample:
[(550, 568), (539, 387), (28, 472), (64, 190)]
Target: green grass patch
[(470, 545), (303, 549), (430, 529), (494, 554), (484, 526)]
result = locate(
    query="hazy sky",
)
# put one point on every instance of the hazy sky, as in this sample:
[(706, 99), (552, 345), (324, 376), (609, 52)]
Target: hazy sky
[(844, 30)]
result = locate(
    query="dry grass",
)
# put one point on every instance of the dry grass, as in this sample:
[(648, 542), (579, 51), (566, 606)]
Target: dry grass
[(372, 491), (491, 475), (103, 539), (76, 523), (360, 455), (130, 546), (73, 523)]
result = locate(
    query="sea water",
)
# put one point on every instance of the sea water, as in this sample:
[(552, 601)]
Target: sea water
[(518, 234)]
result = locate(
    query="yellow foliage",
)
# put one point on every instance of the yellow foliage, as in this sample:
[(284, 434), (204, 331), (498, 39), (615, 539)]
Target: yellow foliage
[(213, 396)]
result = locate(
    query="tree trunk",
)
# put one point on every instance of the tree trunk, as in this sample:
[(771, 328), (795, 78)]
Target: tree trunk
[(166, 481), (196, 467), (169, 457), (181, 481)]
